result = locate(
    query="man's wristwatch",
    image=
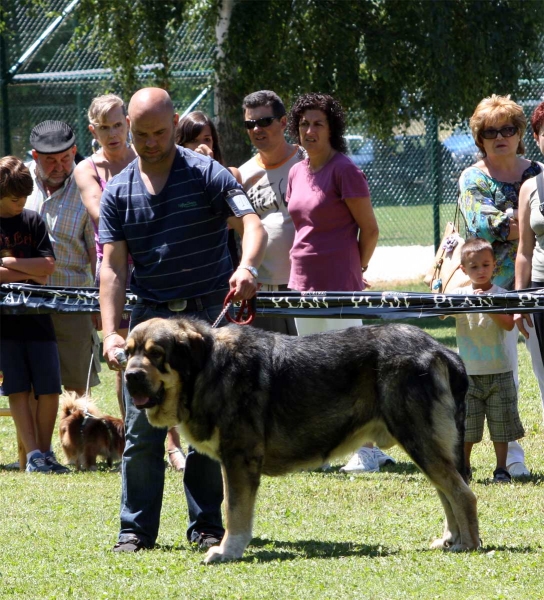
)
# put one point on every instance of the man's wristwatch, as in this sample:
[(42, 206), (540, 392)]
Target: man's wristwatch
[(252, 270), (363, 269)]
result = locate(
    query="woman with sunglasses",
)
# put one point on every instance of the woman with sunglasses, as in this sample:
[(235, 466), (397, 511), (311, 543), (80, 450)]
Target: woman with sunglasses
[(489, 189), (336, 231), (488, 200)]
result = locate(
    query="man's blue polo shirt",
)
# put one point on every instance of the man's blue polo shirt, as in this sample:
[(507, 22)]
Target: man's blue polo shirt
[(178, 238)]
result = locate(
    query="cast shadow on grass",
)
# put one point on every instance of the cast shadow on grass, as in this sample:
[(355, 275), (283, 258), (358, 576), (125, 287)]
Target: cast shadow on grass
[(102, 467), (264, 550), (536, 478), (405, 468), (270, 550), (511, 549)]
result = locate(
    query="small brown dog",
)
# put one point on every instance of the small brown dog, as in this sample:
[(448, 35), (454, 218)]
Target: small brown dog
[(86, 433)]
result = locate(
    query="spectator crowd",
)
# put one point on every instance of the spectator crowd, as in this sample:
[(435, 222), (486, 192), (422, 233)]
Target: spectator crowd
[(155, 210)]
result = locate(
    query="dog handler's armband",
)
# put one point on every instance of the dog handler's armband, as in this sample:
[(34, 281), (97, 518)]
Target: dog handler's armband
[(238, 202)]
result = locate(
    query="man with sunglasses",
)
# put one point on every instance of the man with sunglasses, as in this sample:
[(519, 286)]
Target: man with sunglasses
[(264, 178)]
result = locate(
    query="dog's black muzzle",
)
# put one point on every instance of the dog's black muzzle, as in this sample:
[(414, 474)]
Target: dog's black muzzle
[(141, 393)]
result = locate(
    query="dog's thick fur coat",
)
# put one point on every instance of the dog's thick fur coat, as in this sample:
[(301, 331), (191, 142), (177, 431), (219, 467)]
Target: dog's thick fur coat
[(260, 402), (85, 433)]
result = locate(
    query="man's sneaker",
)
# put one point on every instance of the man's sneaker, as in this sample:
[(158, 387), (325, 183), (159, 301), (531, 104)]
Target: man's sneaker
[(133, 544), (383, 458), (37, 464), (56, 467), (206, 540), (518, 469), (363, 461)]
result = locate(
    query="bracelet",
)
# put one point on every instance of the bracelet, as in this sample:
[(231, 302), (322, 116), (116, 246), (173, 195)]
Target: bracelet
[(108, 335), (363, 269)]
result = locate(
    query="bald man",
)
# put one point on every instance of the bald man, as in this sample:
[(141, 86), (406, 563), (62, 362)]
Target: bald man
[(169, 209)]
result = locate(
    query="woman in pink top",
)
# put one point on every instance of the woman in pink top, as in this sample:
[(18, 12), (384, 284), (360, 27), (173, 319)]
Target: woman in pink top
[(108, 126), (335, 228), (329, 202)]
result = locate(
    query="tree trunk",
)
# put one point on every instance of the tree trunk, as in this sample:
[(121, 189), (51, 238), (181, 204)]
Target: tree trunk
[(228, 105)]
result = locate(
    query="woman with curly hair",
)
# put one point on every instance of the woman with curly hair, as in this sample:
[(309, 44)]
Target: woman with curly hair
[(336, 231), (329, 202)]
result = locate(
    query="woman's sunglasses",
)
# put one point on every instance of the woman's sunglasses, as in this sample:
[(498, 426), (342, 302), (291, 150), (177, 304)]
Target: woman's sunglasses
[(264, 122), (491, 134)]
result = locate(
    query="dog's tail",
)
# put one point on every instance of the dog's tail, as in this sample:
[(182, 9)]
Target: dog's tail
[(70, 403), (458, 380)]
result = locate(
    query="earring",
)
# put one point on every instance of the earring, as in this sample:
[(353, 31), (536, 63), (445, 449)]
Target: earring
[(95, 146), (129, 138)]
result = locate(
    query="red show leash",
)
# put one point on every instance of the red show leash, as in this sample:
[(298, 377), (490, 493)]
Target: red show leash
[(247, 310)]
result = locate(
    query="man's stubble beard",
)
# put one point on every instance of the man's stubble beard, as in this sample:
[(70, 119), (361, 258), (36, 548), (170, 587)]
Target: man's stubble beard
[(49, 181), (164, 155)]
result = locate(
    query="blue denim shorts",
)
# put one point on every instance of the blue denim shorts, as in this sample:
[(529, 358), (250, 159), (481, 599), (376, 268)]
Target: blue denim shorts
[(30, 365)]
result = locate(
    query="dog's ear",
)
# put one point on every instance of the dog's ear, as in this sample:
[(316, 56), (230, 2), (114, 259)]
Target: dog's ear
[(189, 351)]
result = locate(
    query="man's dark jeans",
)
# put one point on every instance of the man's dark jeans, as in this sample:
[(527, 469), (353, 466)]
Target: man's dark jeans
[(143, 466)]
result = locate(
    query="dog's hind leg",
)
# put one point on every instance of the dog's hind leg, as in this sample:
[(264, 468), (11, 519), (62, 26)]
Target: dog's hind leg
[(241, 478), (459, 502), (451, 535)]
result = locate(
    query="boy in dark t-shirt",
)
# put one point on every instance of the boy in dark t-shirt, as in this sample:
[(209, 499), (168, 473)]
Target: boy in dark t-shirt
[(28, 349)]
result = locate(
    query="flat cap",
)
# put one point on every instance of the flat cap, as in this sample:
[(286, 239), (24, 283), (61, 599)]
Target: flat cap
[(52, 137)]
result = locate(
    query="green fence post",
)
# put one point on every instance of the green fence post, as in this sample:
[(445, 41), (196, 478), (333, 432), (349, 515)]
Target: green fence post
[(81, 124), (5, 98), (211, 99), (433, 145)]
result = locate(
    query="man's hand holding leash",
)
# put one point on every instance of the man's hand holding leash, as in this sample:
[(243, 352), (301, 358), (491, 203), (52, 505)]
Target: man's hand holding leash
[(113, 343)]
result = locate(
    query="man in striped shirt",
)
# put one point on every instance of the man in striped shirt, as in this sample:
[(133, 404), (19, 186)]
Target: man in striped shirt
[(56, 199), (169, 208)]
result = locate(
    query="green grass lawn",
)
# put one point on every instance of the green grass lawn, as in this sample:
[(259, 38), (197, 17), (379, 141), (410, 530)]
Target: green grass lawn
[(317, 535), (410, 225)]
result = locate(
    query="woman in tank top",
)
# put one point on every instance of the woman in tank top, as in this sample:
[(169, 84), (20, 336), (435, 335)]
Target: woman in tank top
[(108, 126)]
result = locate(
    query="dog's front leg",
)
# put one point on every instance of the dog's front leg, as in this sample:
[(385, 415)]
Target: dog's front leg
[(241, 478)]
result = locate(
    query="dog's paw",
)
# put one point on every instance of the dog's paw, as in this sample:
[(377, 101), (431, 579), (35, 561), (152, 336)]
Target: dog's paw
[(459, 548), (442, 544), (216, 554)]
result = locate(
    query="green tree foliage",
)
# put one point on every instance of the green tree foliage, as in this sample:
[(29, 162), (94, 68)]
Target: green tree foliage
[(391, 60), (131, 33)]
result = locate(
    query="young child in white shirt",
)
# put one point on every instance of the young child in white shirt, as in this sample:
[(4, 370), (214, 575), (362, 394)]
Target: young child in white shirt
[(481, 338)]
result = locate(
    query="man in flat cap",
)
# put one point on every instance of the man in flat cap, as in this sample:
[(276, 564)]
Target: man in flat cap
[(56, 198)]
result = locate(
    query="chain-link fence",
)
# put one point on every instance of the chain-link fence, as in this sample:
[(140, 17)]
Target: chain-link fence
[(412, 176), (61, 79)]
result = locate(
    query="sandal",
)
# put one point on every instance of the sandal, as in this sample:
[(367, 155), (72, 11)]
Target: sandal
[(501, 475), (176, 459)]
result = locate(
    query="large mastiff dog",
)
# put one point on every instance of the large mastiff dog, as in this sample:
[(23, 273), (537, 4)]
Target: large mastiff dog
[(260, 402)]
